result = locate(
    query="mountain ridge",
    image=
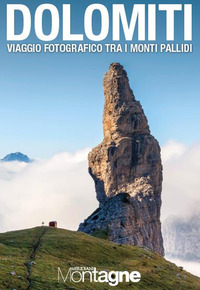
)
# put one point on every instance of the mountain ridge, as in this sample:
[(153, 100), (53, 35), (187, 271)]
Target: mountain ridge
[(44, 249), (17, 156), (182, 237)]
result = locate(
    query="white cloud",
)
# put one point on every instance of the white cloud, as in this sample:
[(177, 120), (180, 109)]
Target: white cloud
[(172, 150), (190, 266), (61, 188), (181, 181), (56, 189)]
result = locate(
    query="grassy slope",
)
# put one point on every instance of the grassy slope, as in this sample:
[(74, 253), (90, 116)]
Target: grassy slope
[(62, 248)]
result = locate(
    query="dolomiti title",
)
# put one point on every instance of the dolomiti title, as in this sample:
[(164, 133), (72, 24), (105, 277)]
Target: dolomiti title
[(116, 22)]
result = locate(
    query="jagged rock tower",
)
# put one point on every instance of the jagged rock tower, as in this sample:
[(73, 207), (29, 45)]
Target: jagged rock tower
[(127, 170)]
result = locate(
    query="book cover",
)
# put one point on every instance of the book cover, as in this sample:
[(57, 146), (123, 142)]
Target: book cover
[(100, 154)]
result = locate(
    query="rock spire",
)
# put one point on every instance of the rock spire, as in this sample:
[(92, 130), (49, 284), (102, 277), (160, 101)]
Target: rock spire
[(127, 170)]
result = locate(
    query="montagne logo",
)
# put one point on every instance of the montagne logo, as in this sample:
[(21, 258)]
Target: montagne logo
[(81, 274)]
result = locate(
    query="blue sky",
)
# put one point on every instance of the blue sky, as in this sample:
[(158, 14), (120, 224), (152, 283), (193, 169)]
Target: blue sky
[(54, 102)]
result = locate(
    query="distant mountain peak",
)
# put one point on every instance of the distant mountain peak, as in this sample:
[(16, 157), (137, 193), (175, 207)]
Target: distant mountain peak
[(17, 156)]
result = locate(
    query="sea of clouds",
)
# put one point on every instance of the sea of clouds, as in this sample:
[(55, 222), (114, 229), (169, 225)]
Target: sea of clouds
[(181, 185), (61, 189), (181, 182)]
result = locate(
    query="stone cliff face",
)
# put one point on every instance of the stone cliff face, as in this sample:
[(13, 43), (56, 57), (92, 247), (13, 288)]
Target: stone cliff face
[(127, 171), (182, 237)]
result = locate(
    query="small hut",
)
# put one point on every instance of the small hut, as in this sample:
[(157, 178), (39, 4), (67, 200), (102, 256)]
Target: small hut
[(53, 224)]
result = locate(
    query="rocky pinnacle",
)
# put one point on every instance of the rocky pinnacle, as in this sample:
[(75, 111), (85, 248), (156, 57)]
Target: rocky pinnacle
[(127, 170)]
